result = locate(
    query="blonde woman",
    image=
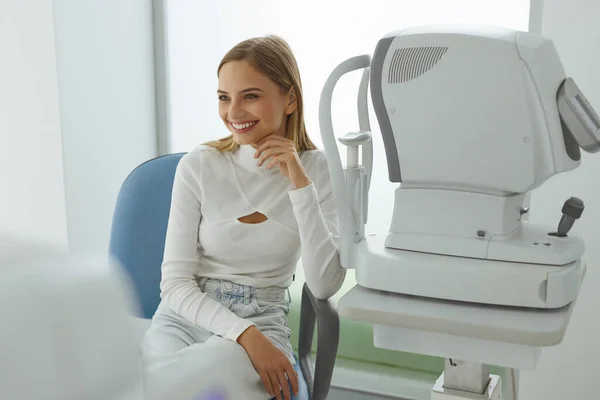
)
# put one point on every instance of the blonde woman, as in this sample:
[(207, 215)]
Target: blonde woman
[(244, 210)]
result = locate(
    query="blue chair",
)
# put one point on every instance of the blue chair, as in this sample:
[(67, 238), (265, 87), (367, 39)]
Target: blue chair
[(137, 241)]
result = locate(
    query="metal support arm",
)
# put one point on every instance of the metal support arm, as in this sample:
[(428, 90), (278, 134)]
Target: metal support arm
[(326, 316)]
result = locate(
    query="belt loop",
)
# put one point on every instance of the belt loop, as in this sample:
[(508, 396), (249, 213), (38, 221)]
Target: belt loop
[(247, 293), (201, 282)]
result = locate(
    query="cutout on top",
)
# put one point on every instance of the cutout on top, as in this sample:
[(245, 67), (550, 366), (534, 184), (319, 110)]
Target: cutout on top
[(254, 218)]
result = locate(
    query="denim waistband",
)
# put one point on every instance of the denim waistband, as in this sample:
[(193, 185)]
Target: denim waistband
[(223, 287)]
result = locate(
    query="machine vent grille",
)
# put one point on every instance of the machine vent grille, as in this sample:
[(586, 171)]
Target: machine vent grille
[(411, 62)]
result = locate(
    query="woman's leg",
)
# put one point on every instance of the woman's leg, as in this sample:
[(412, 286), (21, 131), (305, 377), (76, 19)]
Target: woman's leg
[(184, 361), (271, 317), (269, 310), (170, 332)]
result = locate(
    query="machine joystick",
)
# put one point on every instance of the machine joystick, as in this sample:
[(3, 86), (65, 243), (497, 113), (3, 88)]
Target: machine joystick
[(571, 210)]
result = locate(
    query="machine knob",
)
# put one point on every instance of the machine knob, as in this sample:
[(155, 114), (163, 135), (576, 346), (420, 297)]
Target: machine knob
[(572, 210)]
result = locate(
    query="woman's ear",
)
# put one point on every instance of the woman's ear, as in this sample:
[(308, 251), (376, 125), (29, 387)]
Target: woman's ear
[(292, 101)]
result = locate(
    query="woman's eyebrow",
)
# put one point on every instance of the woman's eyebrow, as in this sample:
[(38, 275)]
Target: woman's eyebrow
[(252, 89)]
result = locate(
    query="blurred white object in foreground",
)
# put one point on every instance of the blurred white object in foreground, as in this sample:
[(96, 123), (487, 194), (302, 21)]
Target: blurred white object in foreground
[(65, 331)]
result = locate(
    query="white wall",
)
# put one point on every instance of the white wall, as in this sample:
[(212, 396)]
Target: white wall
[(77, 114), (106, 76), (32, 197), (570, 371)]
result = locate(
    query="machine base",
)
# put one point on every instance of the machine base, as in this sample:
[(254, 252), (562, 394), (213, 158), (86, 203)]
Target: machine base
[(493, 392), (493, 352), (466, 279), (435, 221)]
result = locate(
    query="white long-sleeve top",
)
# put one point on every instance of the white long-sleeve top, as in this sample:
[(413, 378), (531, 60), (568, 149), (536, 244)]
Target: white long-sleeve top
[(211, 190)]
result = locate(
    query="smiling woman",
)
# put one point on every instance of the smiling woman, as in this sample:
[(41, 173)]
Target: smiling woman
[(260, 94), (250, 104), (244, 209), (239, 105)]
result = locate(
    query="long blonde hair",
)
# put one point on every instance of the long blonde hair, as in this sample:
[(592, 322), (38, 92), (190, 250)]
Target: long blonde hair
[(273, 57)]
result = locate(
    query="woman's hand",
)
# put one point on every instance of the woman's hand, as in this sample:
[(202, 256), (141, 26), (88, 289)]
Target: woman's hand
[(282, 153), (270, 362)]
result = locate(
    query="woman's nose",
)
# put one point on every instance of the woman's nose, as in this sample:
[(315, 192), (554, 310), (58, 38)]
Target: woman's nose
[(236, 110)]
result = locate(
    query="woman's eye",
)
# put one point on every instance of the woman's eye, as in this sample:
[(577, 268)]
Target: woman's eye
[(251, 96), (223, 98)]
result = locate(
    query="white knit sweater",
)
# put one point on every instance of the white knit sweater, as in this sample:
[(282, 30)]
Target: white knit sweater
[(205, 238)]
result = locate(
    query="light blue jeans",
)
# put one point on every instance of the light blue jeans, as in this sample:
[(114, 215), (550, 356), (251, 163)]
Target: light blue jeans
[(172, 335), (268, 308)]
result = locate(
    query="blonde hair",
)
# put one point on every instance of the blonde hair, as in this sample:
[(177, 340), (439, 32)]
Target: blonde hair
[(273, 57)]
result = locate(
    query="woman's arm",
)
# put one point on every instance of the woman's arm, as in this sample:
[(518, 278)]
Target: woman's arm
[(319, 233), (181, 262)]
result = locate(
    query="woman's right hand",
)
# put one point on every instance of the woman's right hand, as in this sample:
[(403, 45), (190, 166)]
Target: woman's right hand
[(271, 363)]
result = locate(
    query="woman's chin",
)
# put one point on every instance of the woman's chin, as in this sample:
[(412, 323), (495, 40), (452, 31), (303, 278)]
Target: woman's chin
[(246, 138), (242, 139)]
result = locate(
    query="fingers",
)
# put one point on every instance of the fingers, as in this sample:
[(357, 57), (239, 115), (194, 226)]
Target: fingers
[(273, 141), (276, 160), (270, 152), (275, 384), (281, 383), (293, 378), (264, 376), (285, 386)]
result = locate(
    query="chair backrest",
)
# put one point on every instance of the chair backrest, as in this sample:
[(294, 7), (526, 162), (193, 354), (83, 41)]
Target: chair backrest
[(139, 227)]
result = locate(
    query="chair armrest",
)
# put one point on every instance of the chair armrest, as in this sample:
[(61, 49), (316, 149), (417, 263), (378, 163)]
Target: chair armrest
[(328, 334)]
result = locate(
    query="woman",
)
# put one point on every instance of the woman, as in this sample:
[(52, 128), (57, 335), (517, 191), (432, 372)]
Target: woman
[(244, 210)]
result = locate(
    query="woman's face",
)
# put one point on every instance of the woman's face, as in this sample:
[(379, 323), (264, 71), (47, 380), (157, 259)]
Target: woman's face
[(250, 104)]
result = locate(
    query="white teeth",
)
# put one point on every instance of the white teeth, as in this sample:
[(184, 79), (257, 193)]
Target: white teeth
[(243, 126)]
